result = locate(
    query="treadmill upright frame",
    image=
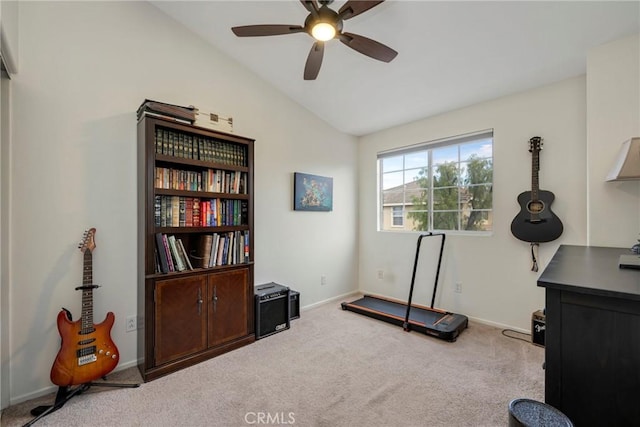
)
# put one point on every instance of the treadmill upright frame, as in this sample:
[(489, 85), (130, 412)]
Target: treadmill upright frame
[(428, 320)]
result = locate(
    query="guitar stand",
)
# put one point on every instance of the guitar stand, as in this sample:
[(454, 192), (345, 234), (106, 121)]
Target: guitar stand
[(65, 394)]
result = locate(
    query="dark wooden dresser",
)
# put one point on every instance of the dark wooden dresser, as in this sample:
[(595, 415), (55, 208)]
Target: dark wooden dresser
[(592, 343)]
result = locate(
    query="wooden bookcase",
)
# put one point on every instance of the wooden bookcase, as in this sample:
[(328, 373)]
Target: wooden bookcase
[(190, 315)]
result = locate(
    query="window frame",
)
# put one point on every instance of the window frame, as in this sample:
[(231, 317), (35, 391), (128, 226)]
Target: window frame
[(460, 164)]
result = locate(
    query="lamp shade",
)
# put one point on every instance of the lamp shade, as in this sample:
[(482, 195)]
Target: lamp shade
[(627, 165)]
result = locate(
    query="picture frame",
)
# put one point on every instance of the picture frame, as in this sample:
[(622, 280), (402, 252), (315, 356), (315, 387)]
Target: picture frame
[(312, 192)]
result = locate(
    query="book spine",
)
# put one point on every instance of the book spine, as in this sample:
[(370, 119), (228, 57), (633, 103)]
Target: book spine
[(165, 243), (188, 214), (163, 211), (182, 206), (246, 246), (214, 248), (162, 255), (157, 211), (175, 211), (196, 212), (206, 250), (220, 251), (179, 264), (184, 253), (225, 250)]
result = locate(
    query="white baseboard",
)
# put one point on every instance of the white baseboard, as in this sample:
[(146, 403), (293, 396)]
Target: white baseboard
[(498, 325), (332, 299), (54, 389)]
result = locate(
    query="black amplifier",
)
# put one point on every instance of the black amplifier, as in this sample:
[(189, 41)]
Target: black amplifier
[(272, 309), (294, 304), (538, 326)]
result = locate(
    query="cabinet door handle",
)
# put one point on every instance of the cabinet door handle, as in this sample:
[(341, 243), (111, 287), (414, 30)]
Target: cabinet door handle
[(215, 297), (200, 301)]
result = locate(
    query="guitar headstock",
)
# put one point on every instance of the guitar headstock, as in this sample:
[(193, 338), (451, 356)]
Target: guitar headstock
[(88, 243), (535, 144)]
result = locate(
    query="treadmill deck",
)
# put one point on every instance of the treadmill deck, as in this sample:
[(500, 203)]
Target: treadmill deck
[(438, 323)]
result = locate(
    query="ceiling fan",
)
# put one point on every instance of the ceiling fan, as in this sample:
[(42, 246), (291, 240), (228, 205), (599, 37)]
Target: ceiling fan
[(324, 24)]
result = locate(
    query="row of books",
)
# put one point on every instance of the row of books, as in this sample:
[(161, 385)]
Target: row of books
[(171, 254), (223, 249), (178, 211), (178, 144), (212, 250), (212, 180)]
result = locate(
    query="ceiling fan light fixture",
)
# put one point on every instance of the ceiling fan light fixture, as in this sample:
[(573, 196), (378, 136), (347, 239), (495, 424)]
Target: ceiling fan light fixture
[(323, 31), (323, 24)]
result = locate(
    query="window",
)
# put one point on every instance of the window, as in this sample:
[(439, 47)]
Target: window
[(398, 220), (438, 186)]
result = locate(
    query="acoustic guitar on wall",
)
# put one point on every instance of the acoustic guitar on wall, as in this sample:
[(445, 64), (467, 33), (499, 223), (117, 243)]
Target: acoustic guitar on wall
[(87, 351), (536, 222)]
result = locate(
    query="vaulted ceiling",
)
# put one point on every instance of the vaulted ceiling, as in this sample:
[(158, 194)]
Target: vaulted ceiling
[(451, 54)]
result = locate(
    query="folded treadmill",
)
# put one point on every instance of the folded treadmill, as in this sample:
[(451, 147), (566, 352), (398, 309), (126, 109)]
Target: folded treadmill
[(428, 320)]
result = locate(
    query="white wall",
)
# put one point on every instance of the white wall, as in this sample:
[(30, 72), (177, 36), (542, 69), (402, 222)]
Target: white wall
[(613, 116), (5, 233), (498, 286), (8, 54), (84, 69), (9, 11)]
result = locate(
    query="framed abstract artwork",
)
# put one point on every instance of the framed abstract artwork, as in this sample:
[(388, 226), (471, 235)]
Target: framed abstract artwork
[(312, 192)]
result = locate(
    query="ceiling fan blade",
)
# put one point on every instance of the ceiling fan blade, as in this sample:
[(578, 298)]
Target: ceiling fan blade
[(368, 47), (311, 6), (314, 61), (356, 7), (266, 30)]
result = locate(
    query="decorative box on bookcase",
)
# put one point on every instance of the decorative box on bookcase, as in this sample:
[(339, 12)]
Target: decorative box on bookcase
[(195, 244)]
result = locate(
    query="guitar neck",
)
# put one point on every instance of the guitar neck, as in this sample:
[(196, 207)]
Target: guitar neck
[(535, 167), (87, 294)]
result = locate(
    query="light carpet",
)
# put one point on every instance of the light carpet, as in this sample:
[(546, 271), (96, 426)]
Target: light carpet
[(332, 368)]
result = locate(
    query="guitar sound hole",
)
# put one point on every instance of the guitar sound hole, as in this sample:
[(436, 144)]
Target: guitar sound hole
[(535, 207)]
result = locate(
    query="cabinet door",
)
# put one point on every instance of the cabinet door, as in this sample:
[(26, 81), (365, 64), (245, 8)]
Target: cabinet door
[(180, 318), (227, 306)]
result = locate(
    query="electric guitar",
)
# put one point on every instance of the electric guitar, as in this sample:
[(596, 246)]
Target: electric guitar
[(536, 222), (87, 351)]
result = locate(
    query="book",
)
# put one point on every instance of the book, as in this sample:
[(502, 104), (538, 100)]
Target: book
[(182, 212), (184, 253), (167, 249), (197, 222), (175, 212), (177, 259), (157, 211), (162, 255), (205, 249), (163, 116), (231, 250), (156, 260), (220, 250), (151, 107), (188, 202), (246, 246), (214, 248)]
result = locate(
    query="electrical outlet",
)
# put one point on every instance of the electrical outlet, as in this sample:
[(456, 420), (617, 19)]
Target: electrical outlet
[(323, 280), (458, 288), (380, 274), (132, 323)]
